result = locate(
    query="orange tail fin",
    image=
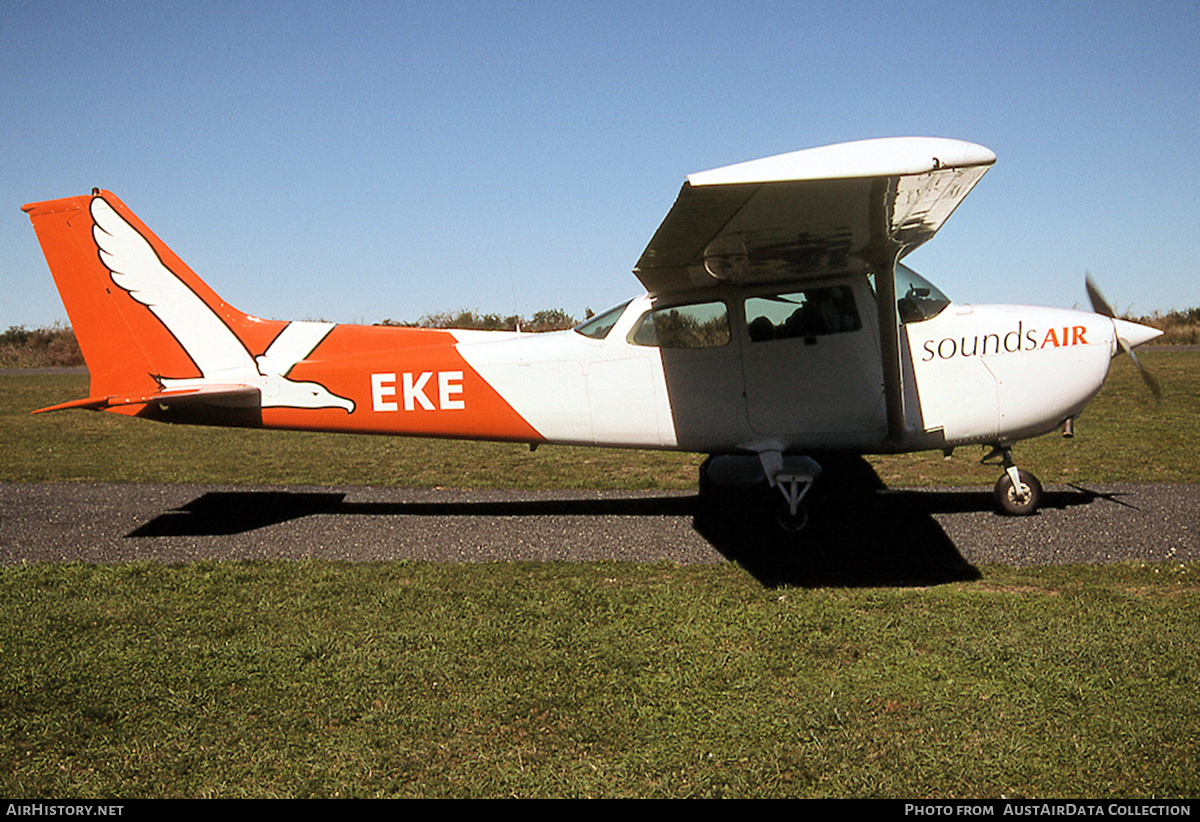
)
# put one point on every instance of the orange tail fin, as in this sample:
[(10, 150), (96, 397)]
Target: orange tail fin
[(143, 319)]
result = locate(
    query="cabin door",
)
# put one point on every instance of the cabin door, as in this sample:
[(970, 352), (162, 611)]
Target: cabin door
[(812, 364)]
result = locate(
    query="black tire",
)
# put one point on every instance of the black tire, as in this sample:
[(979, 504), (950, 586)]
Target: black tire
[(1013, 504), (788, 522)]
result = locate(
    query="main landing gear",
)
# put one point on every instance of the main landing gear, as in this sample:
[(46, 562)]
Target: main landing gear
[(790, 514), (782, 482), (1017, 492)]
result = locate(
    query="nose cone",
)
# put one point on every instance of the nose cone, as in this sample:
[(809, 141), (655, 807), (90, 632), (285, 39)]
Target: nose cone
[(1135, 333)]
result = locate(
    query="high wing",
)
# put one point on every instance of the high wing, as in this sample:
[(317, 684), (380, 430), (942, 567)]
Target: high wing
[(843, 208)]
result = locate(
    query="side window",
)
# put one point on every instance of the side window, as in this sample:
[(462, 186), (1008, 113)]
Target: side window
[(809, 313), (700, 325)]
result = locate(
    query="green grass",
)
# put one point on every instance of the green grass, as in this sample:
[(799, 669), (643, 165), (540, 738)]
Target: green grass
[(598, 680), (1123, 435)]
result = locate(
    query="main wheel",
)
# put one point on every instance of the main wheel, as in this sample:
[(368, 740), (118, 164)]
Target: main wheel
[(787, 521), (1017, 502)]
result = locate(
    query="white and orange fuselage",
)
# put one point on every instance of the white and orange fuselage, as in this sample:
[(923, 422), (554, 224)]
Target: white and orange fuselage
[(973, 373)]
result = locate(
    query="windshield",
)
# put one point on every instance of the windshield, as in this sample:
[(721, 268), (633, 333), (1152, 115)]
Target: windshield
[(919, 299)]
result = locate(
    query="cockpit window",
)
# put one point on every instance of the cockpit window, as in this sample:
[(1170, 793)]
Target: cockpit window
[(808, 313), (699, 325), (919, 299), (598, 327)]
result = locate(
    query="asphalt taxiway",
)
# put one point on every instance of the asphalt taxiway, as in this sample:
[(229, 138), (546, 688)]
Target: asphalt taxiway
[(883, 536)]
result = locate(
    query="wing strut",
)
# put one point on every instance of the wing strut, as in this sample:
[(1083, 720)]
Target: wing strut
[(882, 254), (889, 349)]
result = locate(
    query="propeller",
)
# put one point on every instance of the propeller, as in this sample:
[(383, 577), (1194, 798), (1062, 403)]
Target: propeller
[(1129, 334)]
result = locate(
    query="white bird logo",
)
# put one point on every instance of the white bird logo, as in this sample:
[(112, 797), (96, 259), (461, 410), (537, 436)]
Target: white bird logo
[(220, 356)]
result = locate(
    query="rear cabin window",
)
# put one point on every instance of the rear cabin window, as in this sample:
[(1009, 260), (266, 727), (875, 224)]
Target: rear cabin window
[(598, 327), (809, 313), (699, 325)]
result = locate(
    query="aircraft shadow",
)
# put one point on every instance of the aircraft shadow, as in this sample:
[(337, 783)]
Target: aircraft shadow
[(223, 513), (859, 534), (966, 501)]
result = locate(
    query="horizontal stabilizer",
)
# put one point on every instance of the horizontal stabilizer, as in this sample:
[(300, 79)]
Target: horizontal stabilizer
[(234, 396), (92, 403)]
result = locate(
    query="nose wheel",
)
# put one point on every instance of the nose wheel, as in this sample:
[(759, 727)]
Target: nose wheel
[(1018, 492), (1019, 497)]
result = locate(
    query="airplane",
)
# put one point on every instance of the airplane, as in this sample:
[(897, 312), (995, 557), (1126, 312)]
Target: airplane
[(779, 328)]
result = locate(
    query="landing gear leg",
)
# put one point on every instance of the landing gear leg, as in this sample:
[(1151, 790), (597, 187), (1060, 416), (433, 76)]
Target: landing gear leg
[(1017, 492), (776, 484), (792, 515), (793, 480)]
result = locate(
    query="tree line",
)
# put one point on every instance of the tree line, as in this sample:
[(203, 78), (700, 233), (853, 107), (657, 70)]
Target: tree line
[(554, 319), (55, 345)]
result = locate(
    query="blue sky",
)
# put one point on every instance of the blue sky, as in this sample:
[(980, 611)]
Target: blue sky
[(361, 161)]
